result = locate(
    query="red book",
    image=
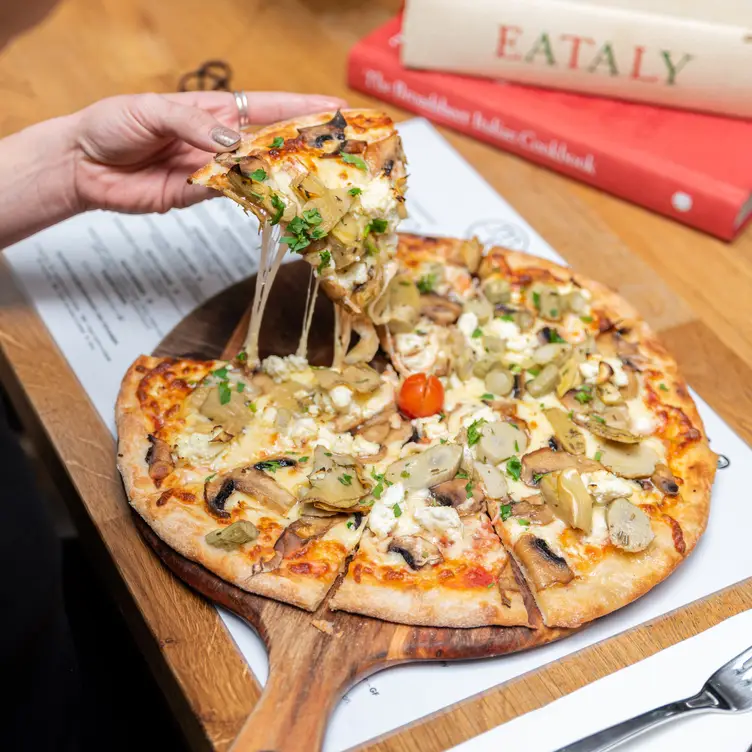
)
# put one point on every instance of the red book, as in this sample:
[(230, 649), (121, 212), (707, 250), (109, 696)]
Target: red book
[(692, 167)]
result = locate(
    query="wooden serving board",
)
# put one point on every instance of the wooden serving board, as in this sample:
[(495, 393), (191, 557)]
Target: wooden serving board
[(309, 669)]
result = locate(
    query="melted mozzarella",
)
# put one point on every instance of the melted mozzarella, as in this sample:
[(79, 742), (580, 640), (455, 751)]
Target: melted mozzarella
[(605, 486)]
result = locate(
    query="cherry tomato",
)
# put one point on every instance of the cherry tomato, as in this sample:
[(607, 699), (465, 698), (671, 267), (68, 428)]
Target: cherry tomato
[(421, 396)]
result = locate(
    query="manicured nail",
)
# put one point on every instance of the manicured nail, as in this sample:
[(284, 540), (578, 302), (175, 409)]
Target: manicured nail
[(225, 136)]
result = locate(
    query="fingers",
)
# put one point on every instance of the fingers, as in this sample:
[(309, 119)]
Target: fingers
[(263, 106), (163, 117)]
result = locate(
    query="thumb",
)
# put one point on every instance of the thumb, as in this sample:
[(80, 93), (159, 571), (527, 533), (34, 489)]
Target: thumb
[(162, 117)]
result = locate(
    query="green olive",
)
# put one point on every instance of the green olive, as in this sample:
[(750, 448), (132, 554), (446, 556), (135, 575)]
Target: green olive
[(233, 536), (544, 382)]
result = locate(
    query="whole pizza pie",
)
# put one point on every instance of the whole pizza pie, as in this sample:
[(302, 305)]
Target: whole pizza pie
[(503, 427)]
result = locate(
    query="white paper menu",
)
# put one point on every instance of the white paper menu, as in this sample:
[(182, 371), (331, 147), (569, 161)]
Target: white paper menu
[(100, 286)]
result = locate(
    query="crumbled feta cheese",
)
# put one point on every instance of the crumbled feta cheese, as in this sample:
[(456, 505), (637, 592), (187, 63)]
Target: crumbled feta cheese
[(381, 518), (619, 378), (599, 533), (431, 428), (364, 448), (516, 340), (357, 274), (589, 370), (198, 446), (467, 323), (341, 396), (377, 196), (605, 487), (483, 413), (281, 369), (418, 352), (303, 428), (269, 416), (440, 521)]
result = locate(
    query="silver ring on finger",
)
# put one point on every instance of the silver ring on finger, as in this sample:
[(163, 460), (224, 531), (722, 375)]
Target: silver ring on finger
[(244, 116)]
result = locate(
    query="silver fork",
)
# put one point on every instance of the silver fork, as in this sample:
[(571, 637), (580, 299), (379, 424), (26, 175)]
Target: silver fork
[(728, 690)]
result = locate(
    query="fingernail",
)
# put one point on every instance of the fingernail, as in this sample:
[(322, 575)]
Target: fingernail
[(225, 136)]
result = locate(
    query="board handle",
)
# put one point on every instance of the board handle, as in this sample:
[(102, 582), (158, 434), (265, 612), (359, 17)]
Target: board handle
[(293, 710)]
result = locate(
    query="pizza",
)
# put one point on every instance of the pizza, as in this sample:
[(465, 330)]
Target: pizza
[(506, 444)]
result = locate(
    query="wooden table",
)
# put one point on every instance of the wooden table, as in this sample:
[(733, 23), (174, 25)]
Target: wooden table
[(695, 291)]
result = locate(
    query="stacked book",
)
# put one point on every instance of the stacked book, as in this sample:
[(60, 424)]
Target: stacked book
[(663, 111)]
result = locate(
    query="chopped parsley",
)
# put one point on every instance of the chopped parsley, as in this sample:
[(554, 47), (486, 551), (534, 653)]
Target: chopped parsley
[(271, 465), (279, 208), (258, 175), (404, 474), (377, 226), (523, 523), (515, 368), (477, 333), (516, 447), (345, 479), (461, 474), (221, 373), (537, 477), (536, 300), (663, 387), (473, 431), (469, 489), (554, 336), (327, 454), (570, 415), (242, 356), (586, 319), (350, 524), (225, 393), (209, 477), (303, 459), (599, 419), (487, 396), (534, 371), (514, 467), (325, 258), (303, 230), (355, 162), (442, 441), (355, 191), (507, 317), (584, 394), (377, 476), (277, 142), (426, 283), (505, 512), (397, 509), (240, 386), (490, 585), (252, 407), (378, 489), (597, 456)]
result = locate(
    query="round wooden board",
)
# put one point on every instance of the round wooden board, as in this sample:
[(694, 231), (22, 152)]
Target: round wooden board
[(310, 668)]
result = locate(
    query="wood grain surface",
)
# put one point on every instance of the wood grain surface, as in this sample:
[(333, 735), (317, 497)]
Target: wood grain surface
[(694, 290)]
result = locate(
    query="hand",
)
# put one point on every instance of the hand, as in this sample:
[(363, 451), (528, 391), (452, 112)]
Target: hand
[(134, 153)]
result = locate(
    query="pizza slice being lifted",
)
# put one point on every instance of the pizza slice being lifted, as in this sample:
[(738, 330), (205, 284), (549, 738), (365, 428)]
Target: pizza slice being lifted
[(334, 184)]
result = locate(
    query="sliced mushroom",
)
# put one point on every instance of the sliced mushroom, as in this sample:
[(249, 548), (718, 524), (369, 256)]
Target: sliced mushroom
[(499, 441), (472, 253), (544, 382), (534, 509), (497, 290), (416, 551), (492, 479), (440, 310), (499, 381), (545, 460), (233, 536), (543, 566), (429, 468), (386, 156), (598, 425), (329, 136), (507, 580), (336, 481), (482, 309), (368, 343), (628, 526), (303, 530), (629, 460), (159, 459), (611, 344), (247, 480), (377, 428), (568, 498), (664, 480), (454, 493), (605, 372), (568, 436)]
